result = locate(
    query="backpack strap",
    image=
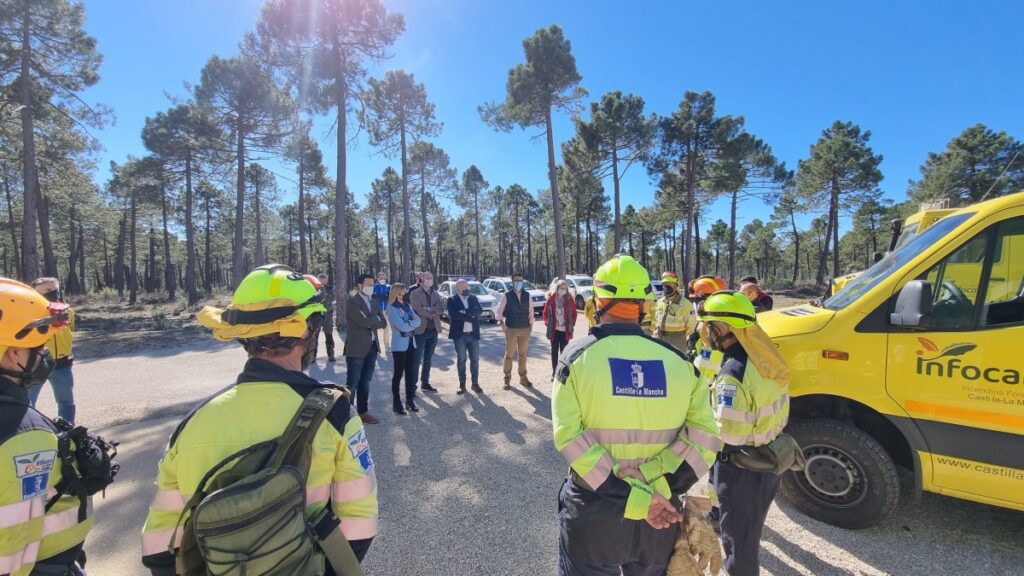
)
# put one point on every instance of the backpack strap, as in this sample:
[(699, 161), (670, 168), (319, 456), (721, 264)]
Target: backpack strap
[(295, 445)]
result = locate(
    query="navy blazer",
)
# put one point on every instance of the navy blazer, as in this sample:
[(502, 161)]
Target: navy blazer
[(458, 315)]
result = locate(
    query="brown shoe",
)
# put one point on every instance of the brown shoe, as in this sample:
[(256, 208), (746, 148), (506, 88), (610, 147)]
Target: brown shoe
[(526, 383), (462, 389), (367, 419), (476, 388), (508, 383)]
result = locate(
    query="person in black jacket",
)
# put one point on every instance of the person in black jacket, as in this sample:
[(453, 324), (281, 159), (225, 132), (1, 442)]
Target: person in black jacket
[(464, 312)]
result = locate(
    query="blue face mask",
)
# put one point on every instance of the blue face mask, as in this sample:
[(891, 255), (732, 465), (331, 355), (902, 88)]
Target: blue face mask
[(518, 285)]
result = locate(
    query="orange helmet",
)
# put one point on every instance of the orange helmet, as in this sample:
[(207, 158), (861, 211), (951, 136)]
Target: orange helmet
[(706, 285)]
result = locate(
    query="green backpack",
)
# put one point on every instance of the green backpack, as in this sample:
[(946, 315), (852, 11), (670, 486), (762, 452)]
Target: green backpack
[(250, 519)]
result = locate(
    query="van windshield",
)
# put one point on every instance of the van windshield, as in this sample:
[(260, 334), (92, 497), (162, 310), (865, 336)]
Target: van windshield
[(893, 262), (908, 234)]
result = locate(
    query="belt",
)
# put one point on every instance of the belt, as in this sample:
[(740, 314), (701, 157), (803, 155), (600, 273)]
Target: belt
[(64, 362)]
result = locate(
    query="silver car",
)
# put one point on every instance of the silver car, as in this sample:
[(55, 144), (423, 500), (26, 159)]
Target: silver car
[(487, 301)]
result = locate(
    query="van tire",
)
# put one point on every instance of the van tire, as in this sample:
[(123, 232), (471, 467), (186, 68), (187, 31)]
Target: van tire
[(850, 480)]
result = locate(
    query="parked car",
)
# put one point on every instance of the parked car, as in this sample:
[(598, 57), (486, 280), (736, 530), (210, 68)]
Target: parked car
[(499, 285), (487, 301), (581, 286)]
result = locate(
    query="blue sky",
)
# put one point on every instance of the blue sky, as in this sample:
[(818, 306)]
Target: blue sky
[(914, 73)]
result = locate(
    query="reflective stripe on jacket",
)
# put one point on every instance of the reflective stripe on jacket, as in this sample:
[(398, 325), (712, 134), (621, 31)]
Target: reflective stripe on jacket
[(674, 314), (751, 410), (256, 409), (29, 474), (621, 399)]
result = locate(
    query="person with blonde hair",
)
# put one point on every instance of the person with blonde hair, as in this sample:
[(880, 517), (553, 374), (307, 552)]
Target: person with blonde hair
[(559, 315), (404, 322)]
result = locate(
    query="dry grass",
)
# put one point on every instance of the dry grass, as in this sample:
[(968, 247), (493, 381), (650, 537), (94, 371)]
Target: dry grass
[(109, 326)]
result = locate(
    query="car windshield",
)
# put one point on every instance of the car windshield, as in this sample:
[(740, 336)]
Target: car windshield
[(909, 233), (893, 262), (584, 282), (478, 289), (527, 285)]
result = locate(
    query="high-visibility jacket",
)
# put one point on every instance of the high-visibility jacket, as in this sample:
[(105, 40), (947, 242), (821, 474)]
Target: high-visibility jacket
[(31, 537), (255, 409), (60, 343), (674, 314), (751, 410), (622, 399)]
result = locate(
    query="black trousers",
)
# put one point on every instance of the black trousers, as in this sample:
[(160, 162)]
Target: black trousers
[(595, 540), (744, 497), (404, 365), (558, 343), (328, 330)]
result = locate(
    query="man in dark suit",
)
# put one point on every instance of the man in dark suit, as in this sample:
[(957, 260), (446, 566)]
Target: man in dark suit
[(464, 311), (361, 346)]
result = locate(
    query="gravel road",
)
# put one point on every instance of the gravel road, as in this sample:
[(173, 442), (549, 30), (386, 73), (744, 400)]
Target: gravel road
[(468, 485)]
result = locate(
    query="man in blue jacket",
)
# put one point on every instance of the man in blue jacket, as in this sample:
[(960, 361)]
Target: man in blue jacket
[(464, 313), (381, 295)]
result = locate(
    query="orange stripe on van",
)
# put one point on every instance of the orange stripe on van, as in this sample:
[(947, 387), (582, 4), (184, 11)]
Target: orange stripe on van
[(979, 416)]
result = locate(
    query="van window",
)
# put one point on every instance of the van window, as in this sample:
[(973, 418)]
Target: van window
[(1004, 297), (955, 282), (894, 261)]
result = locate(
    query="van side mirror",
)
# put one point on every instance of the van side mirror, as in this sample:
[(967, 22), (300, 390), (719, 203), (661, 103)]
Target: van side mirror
[(913, 305)]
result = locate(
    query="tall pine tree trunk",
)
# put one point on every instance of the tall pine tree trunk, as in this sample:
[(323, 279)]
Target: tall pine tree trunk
[(428, 258), (617, 236), (10, 220), (49, 259), (238, 256), (29, 255), (133, 275), (170, 278), (796, 247), (258, 214), (191, 284), (341, 194), (556, 201), (207, 248), (303, 254)]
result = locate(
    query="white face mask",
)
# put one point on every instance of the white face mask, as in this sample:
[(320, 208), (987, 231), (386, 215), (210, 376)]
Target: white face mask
[(381, 281), (561, 292), (368, 290), (427, 283)]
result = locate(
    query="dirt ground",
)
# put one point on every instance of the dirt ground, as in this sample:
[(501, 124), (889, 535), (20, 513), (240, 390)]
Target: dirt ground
[(110, 327)]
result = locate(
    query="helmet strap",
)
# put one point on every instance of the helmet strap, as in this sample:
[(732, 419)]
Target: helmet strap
[(25, 374)]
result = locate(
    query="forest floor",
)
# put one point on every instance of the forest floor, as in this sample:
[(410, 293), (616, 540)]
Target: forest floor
[(109, 326)]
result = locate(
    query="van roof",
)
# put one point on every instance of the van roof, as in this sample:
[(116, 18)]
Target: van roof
[(994, 205)]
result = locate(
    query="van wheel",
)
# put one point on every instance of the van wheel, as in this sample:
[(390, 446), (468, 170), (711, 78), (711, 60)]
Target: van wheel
[(580, 303), (849, 481)]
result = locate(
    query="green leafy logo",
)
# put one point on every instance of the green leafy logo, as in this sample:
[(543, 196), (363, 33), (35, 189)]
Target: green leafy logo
[(957, 349)]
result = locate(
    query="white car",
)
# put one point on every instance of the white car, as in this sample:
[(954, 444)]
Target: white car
[(498, 286), (487, 301), (581, 286), (657, 288)]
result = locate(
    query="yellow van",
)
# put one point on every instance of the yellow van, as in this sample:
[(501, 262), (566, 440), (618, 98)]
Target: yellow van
[(915, 363), (907, 230)]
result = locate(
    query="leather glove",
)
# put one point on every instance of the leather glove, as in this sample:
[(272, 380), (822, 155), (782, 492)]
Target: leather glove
[(704, 545), (697, 548)]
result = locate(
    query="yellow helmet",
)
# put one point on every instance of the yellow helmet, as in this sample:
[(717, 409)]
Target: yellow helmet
[(622, 278), (729, 307), (272, 299), (27, 318)]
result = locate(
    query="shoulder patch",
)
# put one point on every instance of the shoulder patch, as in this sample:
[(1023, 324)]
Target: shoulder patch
[(34, 471), (359, 447)]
